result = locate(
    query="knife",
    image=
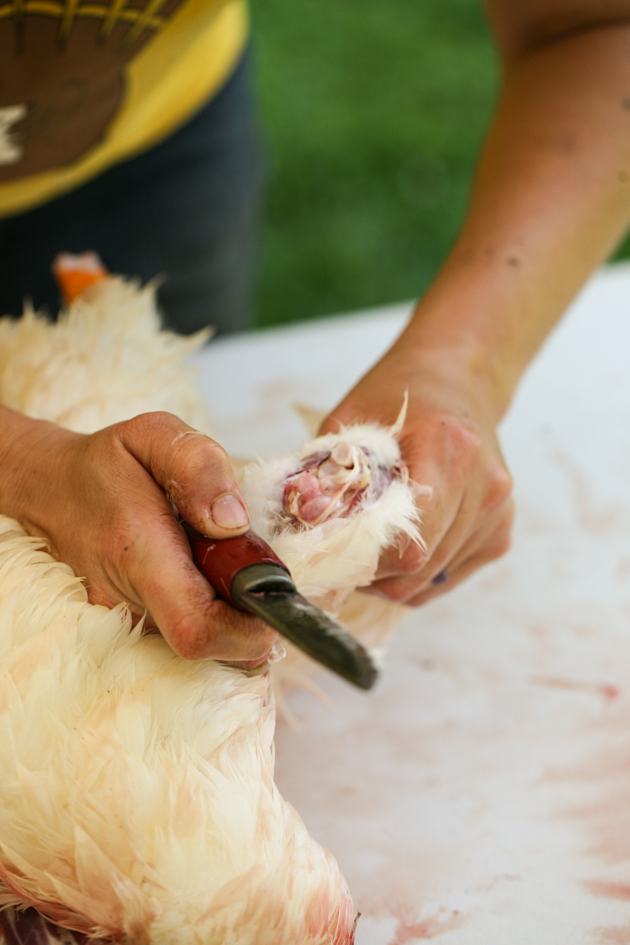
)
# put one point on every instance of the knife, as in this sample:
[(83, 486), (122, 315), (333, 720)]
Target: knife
[(246, 572)]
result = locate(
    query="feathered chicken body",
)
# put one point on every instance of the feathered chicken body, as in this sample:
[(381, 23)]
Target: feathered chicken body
[(137, 800)]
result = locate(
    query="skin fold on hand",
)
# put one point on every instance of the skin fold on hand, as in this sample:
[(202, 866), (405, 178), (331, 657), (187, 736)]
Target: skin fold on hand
[(104, 504)]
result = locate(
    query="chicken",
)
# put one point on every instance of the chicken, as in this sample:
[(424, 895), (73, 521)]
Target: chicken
[(137, 800)]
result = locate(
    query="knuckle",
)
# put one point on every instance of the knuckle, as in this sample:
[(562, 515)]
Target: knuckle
[(465, 441), (105, 438), (417, 601), (146, 422), (500, 546), (212, 452), (396, 591), (156, 418), (498, 487), (138, 434), (470, 442), (412, 560), (197, 450), (189, 637)]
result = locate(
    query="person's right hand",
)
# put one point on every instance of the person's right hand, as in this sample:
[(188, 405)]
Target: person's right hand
[(101, 501)]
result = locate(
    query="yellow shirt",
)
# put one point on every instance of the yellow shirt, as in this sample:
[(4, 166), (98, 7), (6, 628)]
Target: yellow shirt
[(86, 83)]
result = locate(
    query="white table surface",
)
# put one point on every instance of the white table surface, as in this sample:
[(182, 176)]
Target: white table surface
[(481, 796)]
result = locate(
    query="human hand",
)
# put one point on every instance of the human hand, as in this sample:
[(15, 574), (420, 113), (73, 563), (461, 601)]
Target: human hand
[(102, 504), (449, 443)]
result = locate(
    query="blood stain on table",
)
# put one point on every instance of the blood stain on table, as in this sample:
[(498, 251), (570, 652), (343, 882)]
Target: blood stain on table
[(608, 690), (618, 891), (410, 932), (593, 515), (615, 936)]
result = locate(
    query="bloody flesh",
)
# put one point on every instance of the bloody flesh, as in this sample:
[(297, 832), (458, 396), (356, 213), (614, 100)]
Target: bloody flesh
[(333, 483)]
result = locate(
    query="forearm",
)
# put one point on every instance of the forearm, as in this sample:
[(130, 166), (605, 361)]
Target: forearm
[(550, 201)]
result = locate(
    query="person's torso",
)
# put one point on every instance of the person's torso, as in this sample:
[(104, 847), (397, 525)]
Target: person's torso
[(85, 83)]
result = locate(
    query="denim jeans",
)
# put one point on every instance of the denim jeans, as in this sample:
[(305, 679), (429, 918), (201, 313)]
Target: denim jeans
[(185, 210)]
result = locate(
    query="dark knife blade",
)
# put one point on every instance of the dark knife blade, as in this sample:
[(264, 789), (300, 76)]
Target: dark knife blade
[(269, 593), (247, 573)]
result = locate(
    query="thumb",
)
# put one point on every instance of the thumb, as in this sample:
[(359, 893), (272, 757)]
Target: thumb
[(193, 470)]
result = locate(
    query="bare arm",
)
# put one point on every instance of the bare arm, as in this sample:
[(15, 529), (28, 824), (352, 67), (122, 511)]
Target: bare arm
[(550, 200), (551, 196)]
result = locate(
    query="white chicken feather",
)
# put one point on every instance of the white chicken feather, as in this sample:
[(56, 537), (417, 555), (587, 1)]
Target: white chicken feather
[(137, 800)]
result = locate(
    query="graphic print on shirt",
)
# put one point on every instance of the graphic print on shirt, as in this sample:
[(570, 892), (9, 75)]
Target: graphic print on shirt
[(10, 151), (63, 75)]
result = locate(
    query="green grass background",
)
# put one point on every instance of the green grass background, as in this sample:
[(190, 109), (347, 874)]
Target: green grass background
[(373, 112)]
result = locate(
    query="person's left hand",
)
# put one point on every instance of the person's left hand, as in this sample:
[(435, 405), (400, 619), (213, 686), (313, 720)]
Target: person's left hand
[(449, 443)]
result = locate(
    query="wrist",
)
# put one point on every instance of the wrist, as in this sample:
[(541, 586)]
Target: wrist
[(28, 452), (473, 324), (471, 371)]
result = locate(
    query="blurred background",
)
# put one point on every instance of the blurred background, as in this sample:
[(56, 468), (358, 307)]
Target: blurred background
[(373, 114)]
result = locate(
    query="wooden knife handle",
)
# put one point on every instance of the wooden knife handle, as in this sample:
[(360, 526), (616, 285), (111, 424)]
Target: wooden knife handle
[(220, 559)]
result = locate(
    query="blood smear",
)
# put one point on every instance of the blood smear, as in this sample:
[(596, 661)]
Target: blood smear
[(408, 933), (608, 690), (618, 891)]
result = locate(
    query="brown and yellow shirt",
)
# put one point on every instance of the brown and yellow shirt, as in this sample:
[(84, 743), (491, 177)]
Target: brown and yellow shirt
[(86, 83)]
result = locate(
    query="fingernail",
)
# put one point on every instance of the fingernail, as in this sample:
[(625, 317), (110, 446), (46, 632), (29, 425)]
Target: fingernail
[(229, 512), (277, 652)]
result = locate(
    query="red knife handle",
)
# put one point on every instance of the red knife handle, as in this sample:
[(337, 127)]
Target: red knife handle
[(221, 559)]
